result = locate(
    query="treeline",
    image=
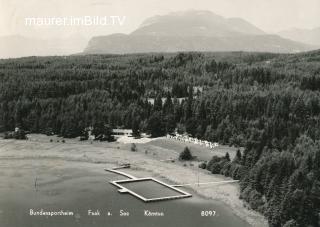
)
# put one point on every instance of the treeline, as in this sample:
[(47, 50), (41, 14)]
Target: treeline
[(266, 103), (283, 185)]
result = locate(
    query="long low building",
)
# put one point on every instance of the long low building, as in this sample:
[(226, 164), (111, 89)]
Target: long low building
[(122, 132), (188, 139)]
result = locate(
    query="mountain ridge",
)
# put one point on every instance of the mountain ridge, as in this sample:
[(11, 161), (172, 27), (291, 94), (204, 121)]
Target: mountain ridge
[(193, 31)]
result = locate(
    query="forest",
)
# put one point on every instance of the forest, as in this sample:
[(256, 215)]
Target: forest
[(267, 103)]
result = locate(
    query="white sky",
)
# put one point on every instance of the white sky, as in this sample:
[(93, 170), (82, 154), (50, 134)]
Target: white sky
[(269, 15)]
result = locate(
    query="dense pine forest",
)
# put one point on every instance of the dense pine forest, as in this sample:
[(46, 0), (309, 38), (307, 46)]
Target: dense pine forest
[(267, 103)]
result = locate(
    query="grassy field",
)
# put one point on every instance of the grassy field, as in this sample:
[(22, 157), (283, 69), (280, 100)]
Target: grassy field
[(160, 148), (172, 148)]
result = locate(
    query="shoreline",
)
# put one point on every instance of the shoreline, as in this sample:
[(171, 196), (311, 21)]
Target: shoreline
[(250, 216), (115, 153)]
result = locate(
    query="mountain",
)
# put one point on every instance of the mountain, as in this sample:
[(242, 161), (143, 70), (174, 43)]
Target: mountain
[(310, 36), (195, 23), (193, 31), (19, 46)]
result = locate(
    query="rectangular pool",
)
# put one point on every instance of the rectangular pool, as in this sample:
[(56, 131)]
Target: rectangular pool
[(150, 189)]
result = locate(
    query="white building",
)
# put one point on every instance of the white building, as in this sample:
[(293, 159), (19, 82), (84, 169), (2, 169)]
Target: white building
[(122, 132)]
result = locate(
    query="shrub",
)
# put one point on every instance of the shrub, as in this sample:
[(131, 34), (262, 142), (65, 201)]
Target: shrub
[(185, 155), (20, 135), (7, 136), (133, 147), (203, 165)]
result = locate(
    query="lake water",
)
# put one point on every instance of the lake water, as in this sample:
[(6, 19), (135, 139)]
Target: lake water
[(54, 185)]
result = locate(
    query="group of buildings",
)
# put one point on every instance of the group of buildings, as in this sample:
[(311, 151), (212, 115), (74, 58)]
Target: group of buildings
[(115, 132), (189, 139)]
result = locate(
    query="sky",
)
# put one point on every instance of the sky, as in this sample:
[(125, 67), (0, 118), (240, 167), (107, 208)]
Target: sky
[(269, 15)]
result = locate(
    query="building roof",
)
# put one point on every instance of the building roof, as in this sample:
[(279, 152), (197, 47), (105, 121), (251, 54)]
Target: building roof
[(117, 130)]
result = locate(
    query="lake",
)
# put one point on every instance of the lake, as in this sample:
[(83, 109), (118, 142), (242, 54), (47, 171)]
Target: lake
[(56, 184)]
